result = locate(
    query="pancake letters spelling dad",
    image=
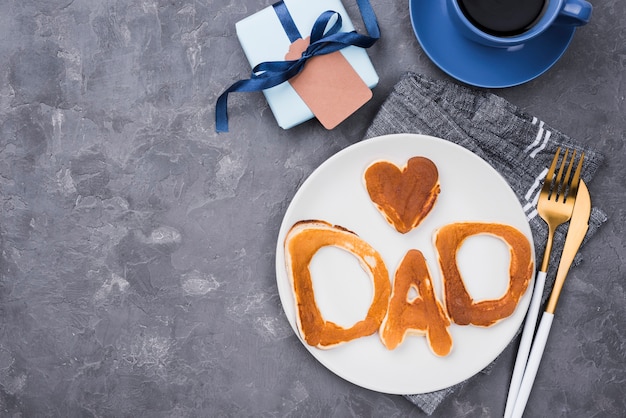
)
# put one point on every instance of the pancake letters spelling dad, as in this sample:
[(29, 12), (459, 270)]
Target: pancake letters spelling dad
[(404, 196)]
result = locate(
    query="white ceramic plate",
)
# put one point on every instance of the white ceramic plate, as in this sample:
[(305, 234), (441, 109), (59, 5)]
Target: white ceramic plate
[(471, 190)]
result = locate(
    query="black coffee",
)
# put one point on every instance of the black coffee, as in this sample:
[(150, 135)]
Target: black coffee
[(503, 17)]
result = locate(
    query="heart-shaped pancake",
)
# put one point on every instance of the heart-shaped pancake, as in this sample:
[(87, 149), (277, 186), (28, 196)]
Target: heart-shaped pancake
[(404, 196)]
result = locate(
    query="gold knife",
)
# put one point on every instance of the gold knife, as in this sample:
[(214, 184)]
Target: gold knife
[(575, 234)]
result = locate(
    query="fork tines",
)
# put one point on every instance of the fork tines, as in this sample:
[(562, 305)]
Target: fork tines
[(563, 187)]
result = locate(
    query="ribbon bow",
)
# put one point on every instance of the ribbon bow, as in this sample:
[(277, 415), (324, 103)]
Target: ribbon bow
[(272, 73)]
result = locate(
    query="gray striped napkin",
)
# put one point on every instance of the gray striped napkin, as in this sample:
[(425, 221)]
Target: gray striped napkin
[(517, 145)]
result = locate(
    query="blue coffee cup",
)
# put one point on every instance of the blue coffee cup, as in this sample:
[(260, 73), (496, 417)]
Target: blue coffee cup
[(553, 12)]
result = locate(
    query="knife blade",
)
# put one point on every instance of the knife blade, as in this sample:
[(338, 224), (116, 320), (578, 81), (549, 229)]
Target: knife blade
[(576, 232), (575, 235)]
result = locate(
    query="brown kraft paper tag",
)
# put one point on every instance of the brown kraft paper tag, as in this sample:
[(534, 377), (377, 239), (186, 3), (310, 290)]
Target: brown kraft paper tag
[(328, 84)]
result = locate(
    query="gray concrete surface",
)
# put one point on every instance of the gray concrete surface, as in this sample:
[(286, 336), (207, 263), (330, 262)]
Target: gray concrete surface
[(137, 245)]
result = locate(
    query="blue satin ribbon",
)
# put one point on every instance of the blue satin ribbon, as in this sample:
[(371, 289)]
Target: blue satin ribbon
[(272, 73), (280, 8)]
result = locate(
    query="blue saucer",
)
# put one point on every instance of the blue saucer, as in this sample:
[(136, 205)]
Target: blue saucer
[(479, 65)]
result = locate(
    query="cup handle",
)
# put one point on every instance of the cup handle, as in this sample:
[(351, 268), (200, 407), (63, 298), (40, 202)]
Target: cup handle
[(575, 13)]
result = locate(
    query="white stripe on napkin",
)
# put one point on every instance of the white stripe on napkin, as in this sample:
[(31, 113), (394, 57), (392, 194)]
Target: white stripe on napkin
[(532, 196), (538, 145)]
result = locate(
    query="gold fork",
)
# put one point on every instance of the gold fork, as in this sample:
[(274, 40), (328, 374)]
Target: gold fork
[(556, 201), (555, 206)]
